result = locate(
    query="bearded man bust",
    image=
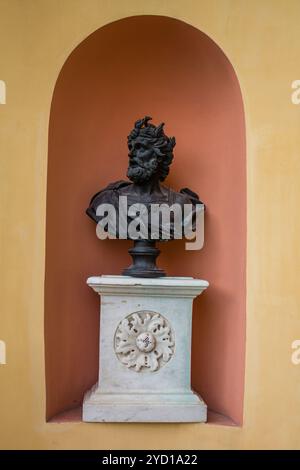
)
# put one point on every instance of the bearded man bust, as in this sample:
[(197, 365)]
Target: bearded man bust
[(150, 156)]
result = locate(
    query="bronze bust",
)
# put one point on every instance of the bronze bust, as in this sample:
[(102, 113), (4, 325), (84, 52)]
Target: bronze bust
[(150, 156)]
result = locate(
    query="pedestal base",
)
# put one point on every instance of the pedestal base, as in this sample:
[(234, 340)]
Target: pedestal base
[(145, 351), (144, 408)]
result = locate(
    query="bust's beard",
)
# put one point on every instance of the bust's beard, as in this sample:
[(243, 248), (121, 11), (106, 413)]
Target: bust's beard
[(141, 174)]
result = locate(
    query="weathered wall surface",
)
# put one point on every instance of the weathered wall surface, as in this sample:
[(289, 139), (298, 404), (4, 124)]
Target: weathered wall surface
[(261, 41)]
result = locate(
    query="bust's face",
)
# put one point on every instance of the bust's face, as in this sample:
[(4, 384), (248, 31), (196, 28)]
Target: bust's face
[(143, 163)]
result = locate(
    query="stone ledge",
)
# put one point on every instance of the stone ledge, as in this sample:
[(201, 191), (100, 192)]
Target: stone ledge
[(165, 286)]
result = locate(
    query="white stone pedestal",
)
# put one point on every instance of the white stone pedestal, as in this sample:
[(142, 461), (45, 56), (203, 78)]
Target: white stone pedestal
[(145, 351)]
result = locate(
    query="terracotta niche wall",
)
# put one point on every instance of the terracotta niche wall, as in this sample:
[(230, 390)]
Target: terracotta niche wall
[(173, 72)]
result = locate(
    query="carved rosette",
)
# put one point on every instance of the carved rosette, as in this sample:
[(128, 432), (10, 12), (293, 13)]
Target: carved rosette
[(144, 341)]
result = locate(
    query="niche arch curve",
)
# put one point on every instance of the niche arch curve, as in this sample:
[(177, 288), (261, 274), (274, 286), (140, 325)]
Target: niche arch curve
[(178, 75)]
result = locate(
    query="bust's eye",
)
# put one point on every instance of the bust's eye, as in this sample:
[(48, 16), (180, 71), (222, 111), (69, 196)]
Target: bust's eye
[(138, 146)]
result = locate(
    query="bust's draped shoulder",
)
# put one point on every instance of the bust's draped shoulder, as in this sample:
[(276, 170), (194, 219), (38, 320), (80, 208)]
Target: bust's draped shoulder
[(194, 198), (107, 195)]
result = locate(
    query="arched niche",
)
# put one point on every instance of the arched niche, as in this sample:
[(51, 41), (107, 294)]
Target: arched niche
[(175, 73)]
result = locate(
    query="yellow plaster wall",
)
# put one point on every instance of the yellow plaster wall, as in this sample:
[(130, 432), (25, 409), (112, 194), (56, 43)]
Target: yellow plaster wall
[(262, 40)]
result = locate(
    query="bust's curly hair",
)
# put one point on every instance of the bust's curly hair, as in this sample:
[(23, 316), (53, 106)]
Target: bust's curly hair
[(155, 136)]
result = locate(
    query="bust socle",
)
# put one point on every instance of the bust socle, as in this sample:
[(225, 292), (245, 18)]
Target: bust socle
[(150, 156)]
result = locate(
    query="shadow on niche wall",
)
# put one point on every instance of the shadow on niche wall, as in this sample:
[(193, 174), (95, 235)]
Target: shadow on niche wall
[(173, 72)]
